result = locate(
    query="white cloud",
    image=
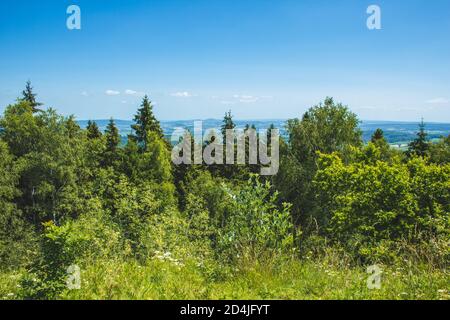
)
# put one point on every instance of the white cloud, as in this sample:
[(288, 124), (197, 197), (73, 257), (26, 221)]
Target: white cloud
[(133, 93), (130, 92), (438, 101), (112, 93), (183, 94), (84, 94), (246, 98)]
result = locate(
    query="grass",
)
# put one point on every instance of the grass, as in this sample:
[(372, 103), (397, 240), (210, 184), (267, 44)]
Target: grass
[(292, 280)]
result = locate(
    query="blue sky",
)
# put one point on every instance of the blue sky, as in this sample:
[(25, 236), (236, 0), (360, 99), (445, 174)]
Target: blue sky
[(262, 59)]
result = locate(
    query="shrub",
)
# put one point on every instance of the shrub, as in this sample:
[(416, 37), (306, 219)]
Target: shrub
[(369, 205), (256, 225)]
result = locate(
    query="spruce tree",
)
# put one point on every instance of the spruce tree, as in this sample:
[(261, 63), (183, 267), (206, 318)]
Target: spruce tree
[(145, 121), (228, 124), (93, 132), (377, 136), (112, 144), (420, 145), (30, 97), (386, 153)]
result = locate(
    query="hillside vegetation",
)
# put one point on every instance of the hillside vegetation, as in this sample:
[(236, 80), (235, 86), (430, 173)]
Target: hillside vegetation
[(83, 216)]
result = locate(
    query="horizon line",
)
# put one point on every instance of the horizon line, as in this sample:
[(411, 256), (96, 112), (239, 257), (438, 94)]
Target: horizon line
[(266, 119)]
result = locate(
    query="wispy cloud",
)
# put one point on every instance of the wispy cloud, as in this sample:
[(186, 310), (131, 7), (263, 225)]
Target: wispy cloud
[(246, 98), (438, 101), (133, 92), (112, 93), (241, 98), (85, 94), (182, 94)]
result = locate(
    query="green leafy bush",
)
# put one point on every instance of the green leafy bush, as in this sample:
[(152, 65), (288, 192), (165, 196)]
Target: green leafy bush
[(256, 225), (365, 205)]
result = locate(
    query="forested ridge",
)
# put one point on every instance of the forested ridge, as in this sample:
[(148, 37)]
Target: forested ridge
[(139, 227)]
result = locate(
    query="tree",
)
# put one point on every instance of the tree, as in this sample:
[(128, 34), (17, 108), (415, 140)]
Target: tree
[(386, 153), (440, 151), (227, 171), (72, 127), (364, 205), (30, 97), (50, 150), (227, 124), (256, 224), (420, 146), (112, 144), (155, 164), (145, 121), (93, 132), (328, 127), (15, 232), (377, 136)]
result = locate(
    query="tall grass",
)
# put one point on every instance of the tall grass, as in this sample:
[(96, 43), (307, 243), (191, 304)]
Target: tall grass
[(274, 279)]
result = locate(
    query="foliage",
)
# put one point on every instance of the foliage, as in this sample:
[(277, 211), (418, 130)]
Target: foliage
[(93, 132), (328, 127), (139, 227), (420, 146), (50, 152), (16, 235), (145, 123), (255, 224), (30, 97), (111, 154), (440, 152), (46, 277), (365, 203)]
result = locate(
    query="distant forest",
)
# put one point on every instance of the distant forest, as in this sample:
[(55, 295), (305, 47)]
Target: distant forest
[(395, 132)]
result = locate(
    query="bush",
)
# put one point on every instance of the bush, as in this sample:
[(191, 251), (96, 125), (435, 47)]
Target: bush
[(46, 278), (370, 206), (255, 225)]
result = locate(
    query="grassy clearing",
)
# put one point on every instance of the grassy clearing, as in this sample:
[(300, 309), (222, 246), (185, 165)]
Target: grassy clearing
[(296, 280)]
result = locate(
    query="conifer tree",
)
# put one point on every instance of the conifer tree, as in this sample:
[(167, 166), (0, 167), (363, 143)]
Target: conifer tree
[(420, 145), (145, 121), (228, 124), (377, 136), (93, 132), (112, 144), (29, 96)]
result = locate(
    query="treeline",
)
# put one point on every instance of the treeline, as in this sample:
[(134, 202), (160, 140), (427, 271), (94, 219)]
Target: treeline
[(78, 196)]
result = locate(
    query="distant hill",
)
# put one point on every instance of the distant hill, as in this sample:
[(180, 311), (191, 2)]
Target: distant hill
[(397, 133)]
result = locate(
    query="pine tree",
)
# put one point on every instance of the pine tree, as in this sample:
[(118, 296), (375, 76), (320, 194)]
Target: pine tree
[(377, 136), (93, 132), (30, 97), (145, 121), (228, 124), (72, 127), (225, 171), (112, 144), (420, 145), (379, 141)]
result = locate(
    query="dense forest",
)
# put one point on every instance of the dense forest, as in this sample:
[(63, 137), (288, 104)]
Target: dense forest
[(121, 221)]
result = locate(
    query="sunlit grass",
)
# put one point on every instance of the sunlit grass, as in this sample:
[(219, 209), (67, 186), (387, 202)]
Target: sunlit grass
[(162, 280)]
